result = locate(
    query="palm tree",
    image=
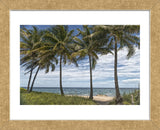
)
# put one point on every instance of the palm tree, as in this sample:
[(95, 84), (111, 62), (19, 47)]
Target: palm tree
[(85, 46), (26, 46), (44, 63), (59, 43), (118, 37), (31, 59)]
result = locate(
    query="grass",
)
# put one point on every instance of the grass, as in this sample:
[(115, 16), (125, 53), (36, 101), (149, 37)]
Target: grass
[(127, 99), (44, 98)]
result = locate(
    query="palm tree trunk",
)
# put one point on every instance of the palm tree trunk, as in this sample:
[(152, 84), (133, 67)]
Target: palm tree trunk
[(91, 87), (118, 96), (29, 80), (61, 89), (34, 79)]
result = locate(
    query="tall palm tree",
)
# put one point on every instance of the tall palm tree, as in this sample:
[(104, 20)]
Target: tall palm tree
[(59, 42), (118, 37), (85, 46)]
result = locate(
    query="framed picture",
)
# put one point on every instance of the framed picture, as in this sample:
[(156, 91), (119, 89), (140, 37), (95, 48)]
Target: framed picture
[(98, 93)]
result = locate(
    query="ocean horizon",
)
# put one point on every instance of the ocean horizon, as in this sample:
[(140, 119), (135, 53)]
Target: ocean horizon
[(84, 91)]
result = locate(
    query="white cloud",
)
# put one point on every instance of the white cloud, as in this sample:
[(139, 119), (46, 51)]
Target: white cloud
[(130, 80), (103, 75)]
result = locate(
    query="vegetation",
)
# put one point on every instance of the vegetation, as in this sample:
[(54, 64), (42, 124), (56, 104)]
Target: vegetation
[(43, 98), (129, 99)]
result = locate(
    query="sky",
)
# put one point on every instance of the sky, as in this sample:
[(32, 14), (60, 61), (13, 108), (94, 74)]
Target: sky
[(103, 75)]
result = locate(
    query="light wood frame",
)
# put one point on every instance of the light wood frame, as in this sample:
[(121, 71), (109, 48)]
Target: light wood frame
[(151, 5)]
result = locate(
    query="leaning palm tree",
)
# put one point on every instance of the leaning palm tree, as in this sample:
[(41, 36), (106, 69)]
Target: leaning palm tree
[(44, 63), (59, 43), (26, 46), (85, 46), (30, 59), (118, 37)]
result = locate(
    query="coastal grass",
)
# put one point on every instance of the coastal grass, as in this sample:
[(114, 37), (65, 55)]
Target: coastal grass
[(44, 98), (127, 98)]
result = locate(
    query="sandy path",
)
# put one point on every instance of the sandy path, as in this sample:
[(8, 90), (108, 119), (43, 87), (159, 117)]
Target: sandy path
[(100, 99)]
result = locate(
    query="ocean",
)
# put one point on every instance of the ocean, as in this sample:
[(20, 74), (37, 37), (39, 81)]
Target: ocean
[(84, 91)]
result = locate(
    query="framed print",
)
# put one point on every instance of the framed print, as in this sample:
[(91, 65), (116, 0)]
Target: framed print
[(77, 84), (122, 54)]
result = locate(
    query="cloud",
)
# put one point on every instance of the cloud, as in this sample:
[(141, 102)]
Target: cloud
[(103, 75), (130, 80)]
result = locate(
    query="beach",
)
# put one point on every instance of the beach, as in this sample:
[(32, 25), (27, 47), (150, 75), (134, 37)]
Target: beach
[(45, 98)]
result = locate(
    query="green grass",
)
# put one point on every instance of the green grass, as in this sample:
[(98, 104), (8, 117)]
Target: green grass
[(43, 98), (127, 98)]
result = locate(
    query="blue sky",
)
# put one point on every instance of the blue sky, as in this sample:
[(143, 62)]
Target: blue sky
[(103, 75)]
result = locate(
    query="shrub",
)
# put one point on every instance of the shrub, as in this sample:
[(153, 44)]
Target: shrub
[(127, 99)]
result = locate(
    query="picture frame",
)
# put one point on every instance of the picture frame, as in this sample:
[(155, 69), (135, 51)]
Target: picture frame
[(152, 6)]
